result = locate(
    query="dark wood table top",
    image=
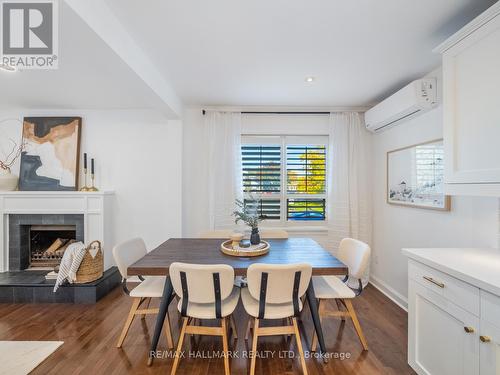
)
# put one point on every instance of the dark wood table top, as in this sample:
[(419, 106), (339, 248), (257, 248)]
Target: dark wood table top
[(207, 251)]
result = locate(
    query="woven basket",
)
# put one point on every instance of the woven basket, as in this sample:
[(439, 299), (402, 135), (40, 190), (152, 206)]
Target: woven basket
[(91, 268)]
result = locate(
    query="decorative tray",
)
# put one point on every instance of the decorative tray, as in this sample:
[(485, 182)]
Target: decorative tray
[(252, 251)]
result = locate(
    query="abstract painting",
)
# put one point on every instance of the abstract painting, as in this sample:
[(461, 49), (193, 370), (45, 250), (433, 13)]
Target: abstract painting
[(415, 176), (49, 161)]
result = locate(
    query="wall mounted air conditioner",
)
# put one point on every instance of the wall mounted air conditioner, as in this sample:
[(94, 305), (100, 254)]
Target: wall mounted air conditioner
[(412, 100)]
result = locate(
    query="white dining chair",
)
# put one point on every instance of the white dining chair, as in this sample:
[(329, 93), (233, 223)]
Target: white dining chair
[(265, 234), (356, 256), (223, 233), (274, 292), (273, 234), (150, 287), (206, 292)]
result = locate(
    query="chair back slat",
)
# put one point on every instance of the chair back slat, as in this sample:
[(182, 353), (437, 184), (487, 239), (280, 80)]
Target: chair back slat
[(281, 284), (355, 255), (200, 282), (127, 253), (221, 233), (273, 234)]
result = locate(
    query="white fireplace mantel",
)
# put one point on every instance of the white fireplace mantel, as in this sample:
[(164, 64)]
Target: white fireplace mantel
[(94, 206)]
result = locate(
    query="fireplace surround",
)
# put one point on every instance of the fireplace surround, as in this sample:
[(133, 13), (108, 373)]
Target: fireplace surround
[(85, 215), (94, 210)]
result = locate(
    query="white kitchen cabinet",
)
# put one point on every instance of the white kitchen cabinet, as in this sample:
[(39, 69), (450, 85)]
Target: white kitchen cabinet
[(489, 349), (443, 338), (471, 113), (490, 334), (454, 311)]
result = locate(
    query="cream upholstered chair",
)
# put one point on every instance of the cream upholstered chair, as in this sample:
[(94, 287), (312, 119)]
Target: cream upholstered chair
[(273, 234), (265, 234), (356, 256), (274, 292), (216, 234), (126, 254), (206, 292)]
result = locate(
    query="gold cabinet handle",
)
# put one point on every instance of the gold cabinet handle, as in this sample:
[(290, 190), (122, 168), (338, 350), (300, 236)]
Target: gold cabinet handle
[(485, 338), (469, 329), (431, 280)]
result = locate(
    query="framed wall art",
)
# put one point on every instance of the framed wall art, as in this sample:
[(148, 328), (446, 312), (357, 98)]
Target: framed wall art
[(415, 176), (51, 149)]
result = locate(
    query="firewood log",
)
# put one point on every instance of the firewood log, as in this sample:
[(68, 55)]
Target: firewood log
[(63, 248), (55, 245)]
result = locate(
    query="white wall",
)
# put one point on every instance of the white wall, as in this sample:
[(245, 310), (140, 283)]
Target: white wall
[(138, 155), (472, 222)]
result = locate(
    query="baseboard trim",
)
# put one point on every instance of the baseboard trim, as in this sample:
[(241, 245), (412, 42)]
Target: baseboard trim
[(394, 296)]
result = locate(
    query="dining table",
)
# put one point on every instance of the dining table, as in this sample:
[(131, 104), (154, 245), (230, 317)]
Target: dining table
[(208, 251)]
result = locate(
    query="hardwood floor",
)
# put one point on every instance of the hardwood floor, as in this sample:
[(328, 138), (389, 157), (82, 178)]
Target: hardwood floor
[(90, 333)]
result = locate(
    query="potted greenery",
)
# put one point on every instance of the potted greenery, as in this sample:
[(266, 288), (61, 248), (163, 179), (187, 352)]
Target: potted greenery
[(248, 212)]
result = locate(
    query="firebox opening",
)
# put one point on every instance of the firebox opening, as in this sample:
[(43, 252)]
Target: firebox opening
[(48, 243)]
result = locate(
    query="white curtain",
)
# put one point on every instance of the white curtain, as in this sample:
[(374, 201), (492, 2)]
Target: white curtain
[(224, 166), (349, 185)]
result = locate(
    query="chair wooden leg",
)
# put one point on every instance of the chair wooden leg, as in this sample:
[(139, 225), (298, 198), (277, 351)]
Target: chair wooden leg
[(143, 316), (193, 322), (225, 346), (299, 346), (233, 326), (314, 344), (179, 346), (135, 304), (254, 346), (249, 327), (355, 321), (168, 332)]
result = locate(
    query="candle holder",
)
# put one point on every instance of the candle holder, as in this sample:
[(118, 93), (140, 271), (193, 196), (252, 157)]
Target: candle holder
[(92, 188), (85, 187)]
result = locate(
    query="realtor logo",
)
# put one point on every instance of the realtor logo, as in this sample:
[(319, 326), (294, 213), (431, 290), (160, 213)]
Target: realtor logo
[(29, 34)]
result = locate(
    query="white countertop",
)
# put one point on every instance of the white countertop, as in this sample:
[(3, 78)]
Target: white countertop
[(479, 267)]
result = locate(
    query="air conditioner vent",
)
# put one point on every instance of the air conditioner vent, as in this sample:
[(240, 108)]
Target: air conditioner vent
[(412, 100)]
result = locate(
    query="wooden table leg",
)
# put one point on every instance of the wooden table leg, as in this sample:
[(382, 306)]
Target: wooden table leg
[(160, 318), (313, 306)]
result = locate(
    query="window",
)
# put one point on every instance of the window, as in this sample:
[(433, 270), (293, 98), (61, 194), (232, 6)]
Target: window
[(288, 175), (306, 169), (305, 209), (261, 168)]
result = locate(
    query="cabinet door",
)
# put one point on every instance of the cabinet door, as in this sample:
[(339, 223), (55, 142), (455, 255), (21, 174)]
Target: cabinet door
[(471, 91), (489, 349), (439, 343)]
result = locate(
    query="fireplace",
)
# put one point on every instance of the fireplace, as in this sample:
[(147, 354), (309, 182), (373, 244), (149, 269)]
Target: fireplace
[(40, 240), (48, 243)]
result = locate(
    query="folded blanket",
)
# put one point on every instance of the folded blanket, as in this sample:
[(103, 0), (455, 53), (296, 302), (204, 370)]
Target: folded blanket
[(70, 263)]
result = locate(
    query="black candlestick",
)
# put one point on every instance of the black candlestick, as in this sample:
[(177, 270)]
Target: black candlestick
[(84, 160), (92, 176)]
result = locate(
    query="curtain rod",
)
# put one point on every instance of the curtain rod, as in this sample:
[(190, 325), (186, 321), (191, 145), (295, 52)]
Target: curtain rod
[(276, 113)]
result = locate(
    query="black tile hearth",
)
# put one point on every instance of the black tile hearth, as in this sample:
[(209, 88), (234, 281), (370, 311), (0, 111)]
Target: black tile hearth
[(32, 287)]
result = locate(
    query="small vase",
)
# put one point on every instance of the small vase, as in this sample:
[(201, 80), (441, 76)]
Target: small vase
[(255, 236), (8, 181)]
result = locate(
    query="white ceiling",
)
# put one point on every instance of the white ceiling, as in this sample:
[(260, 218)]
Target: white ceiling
[(258, 52), (234, 52), (90, 76)]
